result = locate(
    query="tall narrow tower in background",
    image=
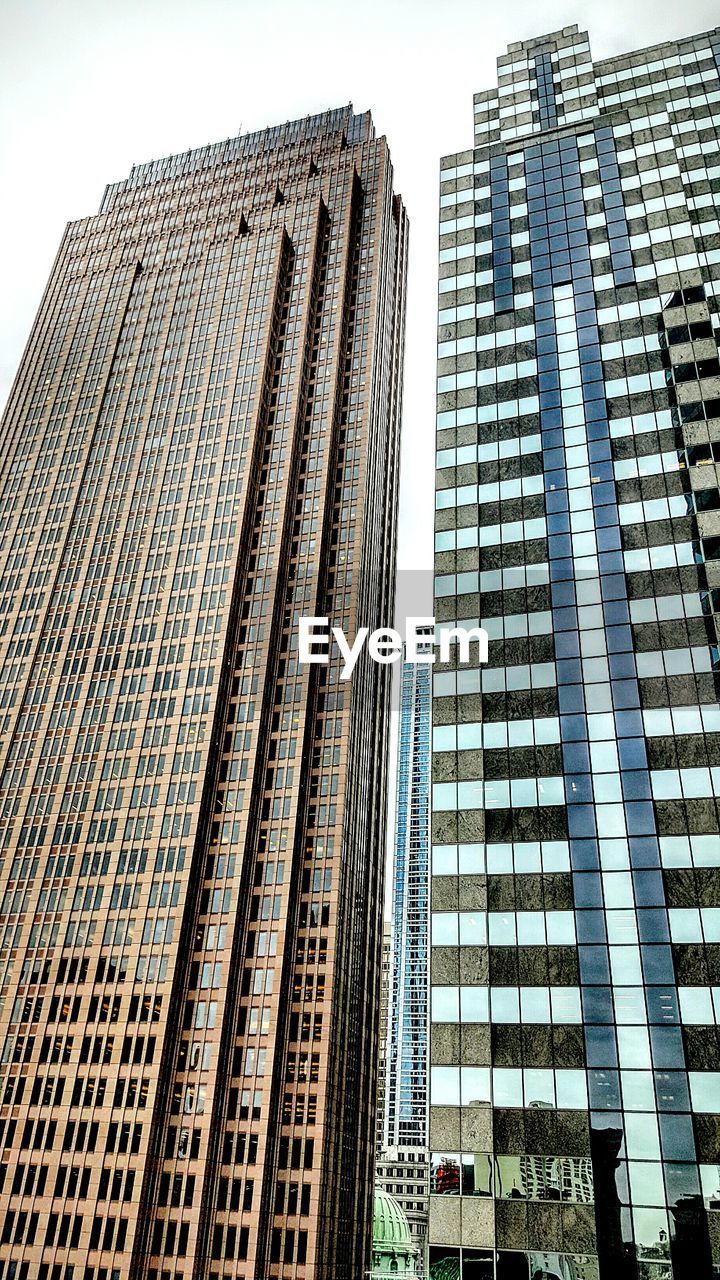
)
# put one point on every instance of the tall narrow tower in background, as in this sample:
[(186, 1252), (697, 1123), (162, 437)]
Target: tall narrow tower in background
[(402, 1163), (385, 975), (201, 445), (575, 1092)]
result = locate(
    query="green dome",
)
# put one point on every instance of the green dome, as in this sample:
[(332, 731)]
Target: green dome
[(391, 1230), (393, 1250)]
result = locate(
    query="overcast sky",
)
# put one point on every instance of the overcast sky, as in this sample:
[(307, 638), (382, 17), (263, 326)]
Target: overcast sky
[(89, 87)]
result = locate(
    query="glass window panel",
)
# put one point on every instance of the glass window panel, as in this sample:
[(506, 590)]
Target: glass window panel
[(535, 1004), (469, 737), (523, 792), (502, 928), (474, 1003), (566, 1007), (495, 735), (571, 1087), (519, 733), (614, 854), (445, 796), (560, 928), (621, 926), (539, 1085), (445, 1004), (473, 930), (610, 817), (696, 783), (470, 795), (705, 850), (710, 1181), (476, 1175), (443, 1260), (555, 855), (499, 859), (444, 737), (604, 757), (618, 889), (686, 720), (685, 924), (505, 1004), (444, 928), (666, 784), (475, 1085), (468, 681), (551, 791), (634, 1048), (629, 1005), (444, 860), (547, 730), (445, 1086), (642, 1139), (646, 1182), (471, 859), (696, 1006), (445, 1174), (507, 1087), (625, 965), (528, 858), (509, 1180), (638, 1093), (530, 928), (711, 923)]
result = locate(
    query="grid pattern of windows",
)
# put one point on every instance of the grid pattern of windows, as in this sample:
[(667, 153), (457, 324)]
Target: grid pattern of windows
[(201, 446), (575, 778), (402, 1160), (406, 1081)]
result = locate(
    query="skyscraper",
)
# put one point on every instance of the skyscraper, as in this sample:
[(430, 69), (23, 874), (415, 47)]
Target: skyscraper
[(576, 854), (385, 967), (402, 1165), (201, 445), (406, 1087)]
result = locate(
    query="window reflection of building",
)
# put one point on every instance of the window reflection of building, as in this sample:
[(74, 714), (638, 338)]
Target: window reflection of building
[(557, 1266), (445, 1176), (526, 1177), (449, 1263)]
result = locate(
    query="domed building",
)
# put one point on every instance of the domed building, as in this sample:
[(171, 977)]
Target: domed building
[(393, 1250)]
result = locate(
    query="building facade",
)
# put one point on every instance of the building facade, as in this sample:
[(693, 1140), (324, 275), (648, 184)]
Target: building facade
[(575, 1092), (402, 1164), (402, 1172), (201, 446), (406, 1084), (385, 966)]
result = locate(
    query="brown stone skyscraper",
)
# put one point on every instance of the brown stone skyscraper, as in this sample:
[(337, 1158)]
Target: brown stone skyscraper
[(201, 445)]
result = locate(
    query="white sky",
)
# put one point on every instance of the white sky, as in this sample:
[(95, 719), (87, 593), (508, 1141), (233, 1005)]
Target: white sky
[(89, 87)]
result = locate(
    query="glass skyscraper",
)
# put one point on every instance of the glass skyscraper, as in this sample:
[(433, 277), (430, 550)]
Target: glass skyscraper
[(406, 1084), (575, 960), (402, 1165), (200, 447)]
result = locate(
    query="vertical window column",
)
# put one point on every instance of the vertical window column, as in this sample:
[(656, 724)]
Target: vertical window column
[(637, 1078), (501, 251)]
